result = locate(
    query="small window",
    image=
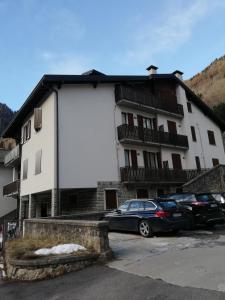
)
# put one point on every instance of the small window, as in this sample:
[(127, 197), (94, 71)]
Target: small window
[(215, 162), (26, 131), (194, 139), (37, 119), (38, 162), (124, 118), (211, 137), (127, 158), (149, 205), (25, 169), (189, 107)]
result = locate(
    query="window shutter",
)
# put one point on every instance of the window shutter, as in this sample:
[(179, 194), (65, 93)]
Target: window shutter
[(38, 162), (25, 169), (159, 160), (37, 118)]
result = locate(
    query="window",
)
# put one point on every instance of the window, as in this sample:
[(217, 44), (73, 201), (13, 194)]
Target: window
[(150, 160), (165, 164), (124, 118), (25, 169), (189, 107), (211, 137), (149, 205), (38, 162), (194, 139), (136, 205), (37, 119), (127, 118), (215, 162), (130, 158), (198, 164), (26, 132)]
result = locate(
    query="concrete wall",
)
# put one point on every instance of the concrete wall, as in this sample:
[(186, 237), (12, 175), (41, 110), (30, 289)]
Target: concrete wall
[(90, 234), (43, 140), (86, 136)]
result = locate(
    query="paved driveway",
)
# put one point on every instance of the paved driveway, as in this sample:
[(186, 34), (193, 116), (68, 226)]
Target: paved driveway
[(193, 258)]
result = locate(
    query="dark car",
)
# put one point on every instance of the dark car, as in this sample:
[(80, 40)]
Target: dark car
[(202, 208), (147, 216), (220, 197)]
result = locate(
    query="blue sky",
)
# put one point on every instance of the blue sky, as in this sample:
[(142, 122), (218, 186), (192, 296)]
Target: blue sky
[(116, 37)]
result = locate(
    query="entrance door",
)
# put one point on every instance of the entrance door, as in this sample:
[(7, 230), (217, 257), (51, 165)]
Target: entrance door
[(142, 194), (176, 161), (110, 199), (172, 127)]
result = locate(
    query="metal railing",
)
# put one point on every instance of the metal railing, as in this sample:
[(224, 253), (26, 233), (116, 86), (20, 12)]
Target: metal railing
[(135, 133), (123, 92), (12, 156)]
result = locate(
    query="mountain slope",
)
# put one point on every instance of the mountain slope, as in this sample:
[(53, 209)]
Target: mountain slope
[(210, 83), (6, 115)]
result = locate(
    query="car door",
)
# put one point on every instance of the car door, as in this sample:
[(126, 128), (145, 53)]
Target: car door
[(116, 218), (133, 215)]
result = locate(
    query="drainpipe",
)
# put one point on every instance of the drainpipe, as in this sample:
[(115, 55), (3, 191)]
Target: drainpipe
[(56, 180)]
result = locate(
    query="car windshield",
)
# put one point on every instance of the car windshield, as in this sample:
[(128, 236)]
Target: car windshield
[(168, 204), (204, 198), (124, 206)]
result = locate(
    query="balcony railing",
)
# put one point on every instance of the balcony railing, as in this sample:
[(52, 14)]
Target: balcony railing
[(129, 133), (12, 188), (13, 156), (141, 174), (146, 99)]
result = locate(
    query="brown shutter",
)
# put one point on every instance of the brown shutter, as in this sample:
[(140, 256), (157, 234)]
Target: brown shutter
[(154, 121), (130, 119), (172, 127), (37, 118), (140, 120), (176, 161), (134, 158), (159, 160)]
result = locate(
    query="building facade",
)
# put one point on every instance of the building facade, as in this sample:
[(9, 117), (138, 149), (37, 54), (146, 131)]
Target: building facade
[(90, 141)]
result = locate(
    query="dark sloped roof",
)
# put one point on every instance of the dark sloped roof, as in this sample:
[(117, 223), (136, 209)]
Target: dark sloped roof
[(95, 77)]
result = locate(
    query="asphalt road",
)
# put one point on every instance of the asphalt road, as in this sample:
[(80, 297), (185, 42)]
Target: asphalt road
[(103, 283), (193, 258)]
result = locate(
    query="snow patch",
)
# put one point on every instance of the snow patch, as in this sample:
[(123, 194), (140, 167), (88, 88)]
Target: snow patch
[(60, 249)]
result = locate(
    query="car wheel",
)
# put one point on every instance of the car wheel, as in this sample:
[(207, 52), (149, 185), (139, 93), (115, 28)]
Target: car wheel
[(145, 229)]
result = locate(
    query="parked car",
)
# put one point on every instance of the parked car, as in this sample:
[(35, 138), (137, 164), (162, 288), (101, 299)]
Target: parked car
[(220, 197), (202, 208), (147, 216)]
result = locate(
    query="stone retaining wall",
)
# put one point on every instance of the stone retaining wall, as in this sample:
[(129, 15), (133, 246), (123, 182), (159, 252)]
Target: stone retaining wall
[(90, 234), (47, 267)]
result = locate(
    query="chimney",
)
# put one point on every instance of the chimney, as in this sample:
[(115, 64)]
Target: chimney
[(152, 70), (178, 74)]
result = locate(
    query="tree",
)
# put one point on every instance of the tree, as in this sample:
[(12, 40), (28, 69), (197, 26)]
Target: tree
[(219, 110)]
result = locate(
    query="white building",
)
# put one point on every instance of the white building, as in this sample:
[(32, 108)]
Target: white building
[(90, 141)]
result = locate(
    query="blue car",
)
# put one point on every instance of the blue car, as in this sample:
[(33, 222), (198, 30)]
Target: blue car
[(147, 216)]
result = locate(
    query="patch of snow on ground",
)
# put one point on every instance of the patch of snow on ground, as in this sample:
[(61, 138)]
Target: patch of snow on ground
[(60, 249)]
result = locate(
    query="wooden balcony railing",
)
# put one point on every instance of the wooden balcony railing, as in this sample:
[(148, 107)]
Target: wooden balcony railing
[(130, 94), (12, 188), (12, 156), (145, 135), (141, 174)]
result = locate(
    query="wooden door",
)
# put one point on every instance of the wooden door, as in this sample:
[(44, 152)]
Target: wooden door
[(172, 127), (142, 194), (176, 161), (110, 199)]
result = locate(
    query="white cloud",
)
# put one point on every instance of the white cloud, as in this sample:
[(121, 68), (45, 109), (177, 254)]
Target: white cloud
[(174, 29), (65, 63)]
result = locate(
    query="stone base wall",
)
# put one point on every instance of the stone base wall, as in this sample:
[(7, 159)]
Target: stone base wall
[(47, 267), (210, 181), (90, 234)]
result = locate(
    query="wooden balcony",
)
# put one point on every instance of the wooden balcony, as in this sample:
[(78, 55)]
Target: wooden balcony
[(146, 101), (12, 157), (142, 175), (139, 135), (11, 189)]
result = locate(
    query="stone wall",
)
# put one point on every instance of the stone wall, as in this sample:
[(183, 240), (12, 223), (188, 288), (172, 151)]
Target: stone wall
[(90, 234), (210, 181)]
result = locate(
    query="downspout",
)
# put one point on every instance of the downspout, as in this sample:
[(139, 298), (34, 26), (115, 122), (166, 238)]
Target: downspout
[(56, 179)]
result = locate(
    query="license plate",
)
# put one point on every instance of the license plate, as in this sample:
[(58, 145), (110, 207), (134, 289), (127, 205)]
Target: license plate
[(213, 205), (177, 215)]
